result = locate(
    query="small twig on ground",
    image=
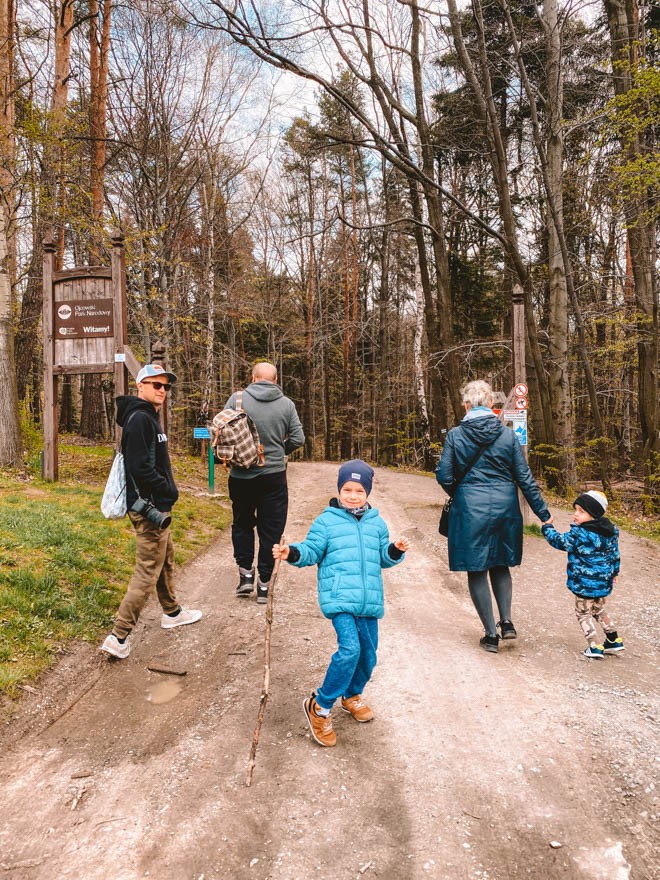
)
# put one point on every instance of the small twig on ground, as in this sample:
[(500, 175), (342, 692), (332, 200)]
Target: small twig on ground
[(28, 689), (167, 670), (89, 686), (25, 863), (266, 685), (77, 798)]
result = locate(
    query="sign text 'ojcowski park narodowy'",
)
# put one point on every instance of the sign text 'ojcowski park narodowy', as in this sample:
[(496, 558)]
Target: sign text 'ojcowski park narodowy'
[(84, 319)]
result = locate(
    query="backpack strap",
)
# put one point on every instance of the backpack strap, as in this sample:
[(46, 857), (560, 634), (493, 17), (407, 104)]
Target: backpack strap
[(238, 400)]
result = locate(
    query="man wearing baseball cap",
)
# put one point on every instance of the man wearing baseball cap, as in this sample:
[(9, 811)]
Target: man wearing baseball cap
[(150, 495)]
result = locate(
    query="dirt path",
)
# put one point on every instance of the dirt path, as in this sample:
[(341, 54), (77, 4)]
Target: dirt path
[(531, 763)]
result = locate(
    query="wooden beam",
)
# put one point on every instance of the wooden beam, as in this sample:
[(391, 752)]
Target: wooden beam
[(132, 363), (49, 464), (82, 272), (75, 370)]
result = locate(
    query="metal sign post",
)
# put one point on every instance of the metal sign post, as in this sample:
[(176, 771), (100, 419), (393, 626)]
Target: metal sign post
[(205, 434)]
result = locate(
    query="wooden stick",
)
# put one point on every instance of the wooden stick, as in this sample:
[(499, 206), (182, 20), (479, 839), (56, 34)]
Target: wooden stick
[(266, 685)]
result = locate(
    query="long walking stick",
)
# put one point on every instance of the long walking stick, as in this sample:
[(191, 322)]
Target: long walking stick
[(266, 685)]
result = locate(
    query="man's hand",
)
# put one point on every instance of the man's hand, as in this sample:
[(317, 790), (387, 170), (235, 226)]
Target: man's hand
[(402, 544), (281, 551), (549, 522)]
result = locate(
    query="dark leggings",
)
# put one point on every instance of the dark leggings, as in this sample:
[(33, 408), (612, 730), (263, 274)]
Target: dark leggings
[(500, 579)]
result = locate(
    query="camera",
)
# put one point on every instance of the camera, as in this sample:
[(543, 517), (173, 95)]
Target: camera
[(146, 508)]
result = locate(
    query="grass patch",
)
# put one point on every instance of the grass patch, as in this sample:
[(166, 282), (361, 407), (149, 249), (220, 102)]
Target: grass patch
[(64, 568), (533, 529)]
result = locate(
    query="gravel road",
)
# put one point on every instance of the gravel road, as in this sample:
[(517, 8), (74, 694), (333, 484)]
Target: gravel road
[(534, 762)]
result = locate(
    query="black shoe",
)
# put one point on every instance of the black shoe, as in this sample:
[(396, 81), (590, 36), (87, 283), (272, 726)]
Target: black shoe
[(489, 643), (507, 630), (262, 592), (246, 584)]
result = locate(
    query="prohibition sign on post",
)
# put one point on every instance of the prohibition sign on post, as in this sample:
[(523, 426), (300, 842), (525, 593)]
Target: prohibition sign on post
[(520, 403), (520, 391)]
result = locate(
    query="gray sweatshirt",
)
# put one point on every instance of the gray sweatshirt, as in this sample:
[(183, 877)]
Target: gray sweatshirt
[(279, 427)]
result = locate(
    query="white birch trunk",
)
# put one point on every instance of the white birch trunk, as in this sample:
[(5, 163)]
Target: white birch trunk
[(420, 390)]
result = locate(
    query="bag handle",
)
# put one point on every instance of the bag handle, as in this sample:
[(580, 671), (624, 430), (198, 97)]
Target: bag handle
[(470, 466)]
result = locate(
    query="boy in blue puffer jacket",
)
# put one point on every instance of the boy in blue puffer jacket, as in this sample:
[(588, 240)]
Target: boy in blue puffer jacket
[(350, 544), (593, 566)]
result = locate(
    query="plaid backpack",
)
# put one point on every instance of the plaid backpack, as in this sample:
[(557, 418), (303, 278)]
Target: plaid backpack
[(235, 439)]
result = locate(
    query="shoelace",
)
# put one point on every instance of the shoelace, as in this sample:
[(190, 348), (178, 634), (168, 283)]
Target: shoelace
[(355, 702)]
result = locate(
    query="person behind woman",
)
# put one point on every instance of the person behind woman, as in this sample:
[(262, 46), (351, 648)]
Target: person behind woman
[(481, 465)]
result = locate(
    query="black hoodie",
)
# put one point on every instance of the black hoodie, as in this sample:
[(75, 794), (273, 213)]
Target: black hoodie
[(146, 458)]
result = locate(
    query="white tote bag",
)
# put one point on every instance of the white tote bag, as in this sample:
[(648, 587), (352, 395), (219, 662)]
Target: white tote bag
[(113, 503)]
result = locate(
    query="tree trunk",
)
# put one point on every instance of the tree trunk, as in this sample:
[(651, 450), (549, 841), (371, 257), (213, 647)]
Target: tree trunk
[(623, 22), (93, 422), (563, 475), (31, 306), (481, 86), (420, 390), (11, 446)]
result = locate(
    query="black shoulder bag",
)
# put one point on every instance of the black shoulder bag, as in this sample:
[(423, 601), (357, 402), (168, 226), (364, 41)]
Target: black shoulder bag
[(443, 525)]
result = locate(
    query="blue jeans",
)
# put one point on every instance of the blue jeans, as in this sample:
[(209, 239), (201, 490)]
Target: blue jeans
[(354, 660)]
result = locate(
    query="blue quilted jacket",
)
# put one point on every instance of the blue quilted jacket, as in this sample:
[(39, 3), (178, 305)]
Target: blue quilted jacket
[(593, 556), (350, 554)]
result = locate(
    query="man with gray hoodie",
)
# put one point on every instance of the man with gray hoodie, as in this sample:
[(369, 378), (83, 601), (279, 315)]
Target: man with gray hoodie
[(259, 495)]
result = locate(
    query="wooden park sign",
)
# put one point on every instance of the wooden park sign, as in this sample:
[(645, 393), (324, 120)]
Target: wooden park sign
[(85, 331)]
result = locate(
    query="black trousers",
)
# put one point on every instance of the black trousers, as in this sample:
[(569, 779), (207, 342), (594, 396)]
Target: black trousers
[(263, 502)]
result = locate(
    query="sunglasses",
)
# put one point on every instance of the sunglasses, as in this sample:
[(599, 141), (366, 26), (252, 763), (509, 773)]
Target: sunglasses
[(159, 385)]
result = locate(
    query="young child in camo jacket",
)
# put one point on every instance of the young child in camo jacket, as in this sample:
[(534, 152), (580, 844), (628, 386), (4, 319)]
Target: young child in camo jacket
[(350, 543), (593, 566)]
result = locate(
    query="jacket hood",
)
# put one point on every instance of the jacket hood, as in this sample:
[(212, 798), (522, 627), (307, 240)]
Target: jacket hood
[(601, 526), (264, 391), (128, 404), (482, 429)]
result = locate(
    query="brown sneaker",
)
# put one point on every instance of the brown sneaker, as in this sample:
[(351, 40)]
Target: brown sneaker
[(356, 707), (320, 725)]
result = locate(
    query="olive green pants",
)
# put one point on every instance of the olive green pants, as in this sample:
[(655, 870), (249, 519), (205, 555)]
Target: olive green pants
[(154, 568)]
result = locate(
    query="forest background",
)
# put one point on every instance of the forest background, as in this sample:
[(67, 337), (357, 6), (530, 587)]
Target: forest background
[(351, 190)]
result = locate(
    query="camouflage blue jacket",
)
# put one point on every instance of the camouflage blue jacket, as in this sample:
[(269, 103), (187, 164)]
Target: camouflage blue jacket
[(593, 556)]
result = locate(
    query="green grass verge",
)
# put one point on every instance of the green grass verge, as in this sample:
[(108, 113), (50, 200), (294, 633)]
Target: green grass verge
[(63, 567)]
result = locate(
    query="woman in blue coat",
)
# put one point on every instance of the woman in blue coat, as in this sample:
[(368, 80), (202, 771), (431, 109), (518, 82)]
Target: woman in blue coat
[(481, 467)]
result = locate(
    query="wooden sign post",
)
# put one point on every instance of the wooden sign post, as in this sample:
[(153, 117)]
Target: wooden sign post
[(519, 370), (84, 331)]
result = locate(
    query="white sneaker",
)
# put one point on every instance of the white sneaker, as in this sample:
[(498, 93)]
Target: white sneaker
[(113, 646), (186, 615)]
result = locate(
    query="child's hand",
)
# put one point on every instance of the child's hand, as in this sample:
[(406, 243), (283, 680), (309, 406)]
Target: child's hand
[(402, 544), (281, 551), (549, 522)]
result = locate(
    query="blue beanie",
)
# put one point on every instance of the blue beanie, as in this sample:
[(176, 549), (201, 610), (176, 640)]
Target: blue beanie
[(357, 471)]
